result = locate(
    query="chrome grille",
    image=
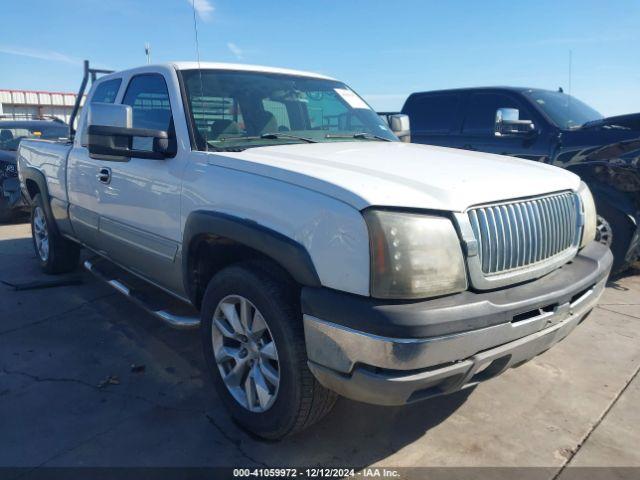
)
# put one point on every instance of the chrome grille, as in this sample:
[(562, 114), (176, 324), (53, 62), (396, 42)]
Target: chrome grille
[(514, 235)]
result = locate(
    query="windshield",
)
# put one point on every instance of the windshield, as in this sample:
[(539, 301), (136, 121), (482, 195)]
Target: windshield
[(236, 110), (12, 132), (564, 110)]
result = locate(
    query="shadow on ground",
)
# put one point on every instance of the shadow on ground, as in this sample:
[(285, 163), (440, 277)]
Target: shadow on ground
[(615, 280)]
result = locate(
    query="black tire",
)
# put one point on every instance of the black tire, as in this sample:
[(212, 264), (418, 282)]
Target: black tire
[(622, 234), (300, 400), (62, 255)]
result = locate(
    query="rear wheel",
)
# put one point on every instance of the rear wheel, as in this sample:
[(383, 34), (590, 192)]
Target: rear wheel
[(55, 253), (253, 342)]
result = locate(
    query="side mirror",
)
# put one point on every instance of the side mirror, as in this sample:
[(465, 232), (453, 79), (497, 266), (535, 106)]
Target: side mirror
[(400, 126), (508, 123), (111, 137)]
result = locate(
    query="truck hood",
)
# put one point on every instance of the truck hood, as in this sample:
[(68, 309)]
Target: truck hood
[(613, 141), (395, 174), (629, 121)]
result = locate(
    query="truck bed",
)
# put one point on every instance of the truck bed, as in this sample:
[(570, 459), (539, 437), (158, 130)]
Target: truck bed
[(50, 158)]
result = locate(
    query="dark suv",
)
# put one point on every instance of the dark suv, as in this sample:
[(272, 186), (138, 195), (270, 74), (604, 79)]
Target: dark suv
[(12, 130), (551, 127)]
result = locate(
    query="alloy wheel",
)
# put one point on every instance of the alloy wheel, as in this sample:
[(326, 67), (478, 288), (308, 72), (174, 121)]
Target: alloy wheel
[(41, 234), (246, 353), (604, 233)]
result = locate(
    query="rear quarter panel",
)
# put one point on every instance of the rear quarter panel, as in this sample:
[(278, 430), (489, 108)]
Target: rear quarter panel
[(50, 158)]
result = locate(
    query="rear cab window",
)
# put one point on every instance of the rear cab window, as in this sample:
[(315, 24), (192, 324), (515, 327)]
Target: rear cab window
[(106, 91), (217, 116)]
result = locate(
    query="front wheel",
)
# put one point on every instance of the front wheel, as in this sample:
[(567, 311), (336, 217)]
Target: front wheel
[(253, 342), (604, 234), (55, 253), (616, 232)]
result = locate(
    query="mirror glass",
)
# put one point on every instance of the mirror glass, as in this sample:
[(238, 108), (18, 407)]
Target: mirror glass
[(508, 123), (507, 114), (400, 126)]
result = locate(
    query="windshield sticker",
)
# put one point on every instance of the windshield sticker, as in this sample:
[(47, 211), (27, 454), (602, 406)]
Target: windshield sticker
[(351, 98)]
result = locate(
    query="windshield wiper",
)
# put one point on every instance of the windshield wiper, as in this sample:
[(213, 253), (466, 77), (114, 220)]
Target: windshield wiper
[(359, 135), (269, 136)]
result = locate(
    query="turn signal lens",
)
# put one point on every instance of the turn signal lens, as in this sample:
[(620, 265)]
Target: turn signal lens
[(589, 212)]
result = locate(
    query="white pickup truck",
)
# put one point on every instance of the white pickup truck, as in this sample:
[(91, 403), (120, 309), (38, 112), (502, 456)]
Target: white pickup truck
[(319, 254)]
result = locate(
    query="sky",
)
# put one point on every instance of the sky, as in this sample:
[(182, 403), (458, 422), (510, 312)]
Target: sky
[(384, 50)]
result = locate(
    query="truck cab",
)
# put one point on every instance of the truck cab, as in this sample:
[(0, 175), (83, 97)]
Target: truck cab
[(550, 127)]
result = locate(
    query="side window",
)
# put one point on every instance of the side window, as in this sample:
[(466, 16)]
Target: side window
[(149, 99), (433, 113), (481, 112), (279, 112), (106, 92)]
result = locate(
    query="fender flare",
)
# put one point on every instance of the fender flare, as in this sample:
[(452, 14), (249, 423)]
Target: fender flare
[(624, 202), (35, 175), (289, 254)]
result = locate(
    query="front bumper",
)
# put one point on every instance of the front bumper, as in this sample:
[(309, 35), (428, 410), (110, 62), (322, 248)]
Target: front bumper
[(511, 326)]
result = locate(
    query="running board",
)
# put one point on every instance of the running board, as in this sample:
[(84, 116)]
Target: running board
[(171, 319)]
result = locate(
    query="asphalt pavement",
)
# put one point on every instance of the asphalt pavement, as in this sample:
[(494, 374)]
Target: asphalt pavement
[(89, 379)]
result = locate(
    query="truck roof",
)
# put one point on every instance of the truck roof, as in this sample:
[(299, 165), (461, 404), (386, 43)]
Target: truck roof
[(475, 89), (224, 66), (246, 68), (28, 124)]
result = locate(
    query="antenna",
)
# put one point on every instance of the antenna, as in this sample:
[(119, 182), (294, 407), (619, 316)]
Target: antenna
[(147, 52), (195, 30), (570, 66), (569, 97)]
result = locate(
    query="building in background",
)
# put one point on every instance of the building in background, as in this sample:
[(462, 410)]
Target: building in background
[(23, 102)]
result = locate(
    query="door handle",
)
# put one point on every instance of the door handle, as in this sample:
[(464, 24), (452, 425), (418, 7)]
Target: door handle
[(104, 176)]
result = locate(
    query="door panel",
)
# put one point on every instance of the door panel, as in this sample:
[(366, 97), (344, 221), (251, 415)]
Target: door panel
[(83, 186), (478, 129), (140, 207)]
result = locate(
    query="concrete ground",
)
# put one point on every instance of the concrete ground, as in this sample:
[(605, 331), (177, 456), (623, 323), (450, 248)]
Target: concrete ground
[(69, 395)]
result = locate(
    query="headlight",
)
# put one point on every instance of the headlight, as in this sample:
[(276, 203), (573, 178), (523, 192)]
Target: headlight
[(414, 255), (589, 212)]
